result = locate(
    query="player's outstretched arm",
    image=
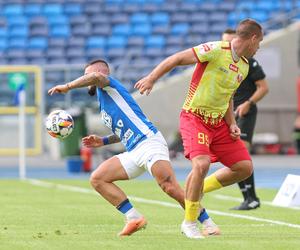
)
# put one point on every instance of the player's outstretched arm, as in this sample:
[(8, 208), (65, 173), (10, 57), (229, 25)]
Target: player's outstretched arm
[(185, 57), (94, 141), (91, 79)]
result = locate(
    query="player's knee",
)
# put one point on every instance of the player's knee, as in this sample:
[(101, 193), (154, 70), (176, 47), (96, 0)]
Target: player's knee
[(95, 180), (201, 166)]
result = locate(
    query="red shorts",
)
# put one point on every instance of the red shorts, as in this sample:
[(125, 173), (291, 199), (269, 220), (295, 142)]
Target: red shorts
[(202, 139)]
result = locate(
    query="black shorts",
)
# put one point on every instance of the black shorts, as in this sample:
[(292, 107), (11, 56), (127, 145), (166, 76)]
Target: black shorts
[(247, 123)]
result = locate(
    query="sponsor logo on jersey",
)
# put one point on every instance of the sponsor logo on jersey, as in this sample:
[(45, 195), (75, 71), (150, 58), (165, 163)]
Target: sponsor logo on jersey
[(223, 70), (239, 78), (127, 135), (233, 67), (106, 118)]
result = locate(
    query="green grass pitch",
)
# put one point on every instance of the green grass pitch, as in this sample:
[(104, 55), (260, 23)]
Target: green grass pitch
[(61, 216)]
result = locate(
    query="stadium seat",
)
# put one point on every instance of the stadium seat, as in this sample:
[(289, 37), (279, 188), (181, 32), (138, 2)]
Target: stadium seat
[(173, 40), (38, 43), (57, 42), (116, 42), (121, 18), (94, 53), (76, 41), (96, 42), (161, 30), (179, 18), (135, 41), (13, 10), (71, 9), (75, 52), (15, 53), (78, 19), (141, 30), (17, 43), (52, 9), (31, 10), (17, 20), (81, 30), (3, 32), (101, 30), (112, 9), (180, 28), (60, 31), (121, 29), (94, 9), (18, 31), (140, 18), (160, 18), (39, 31), (155, 42)]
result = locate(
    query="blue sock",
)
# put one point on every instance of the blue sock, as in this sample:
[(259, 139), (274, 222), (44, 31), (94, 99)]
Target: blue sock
[(203, 216), (124, 206)]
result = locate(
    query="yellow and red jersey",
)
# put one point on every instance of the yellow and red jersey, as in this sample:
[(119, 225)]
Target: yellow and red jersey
[(216, 76)]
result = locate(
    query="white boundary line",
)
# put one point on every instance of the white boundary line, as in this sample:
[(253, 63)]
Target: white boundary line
[(147, 201)]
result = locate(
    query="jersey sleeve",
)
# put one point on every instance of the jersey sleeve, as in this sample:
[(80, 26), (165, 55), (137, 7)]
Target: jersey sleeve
[(256, 72), (207, 52)]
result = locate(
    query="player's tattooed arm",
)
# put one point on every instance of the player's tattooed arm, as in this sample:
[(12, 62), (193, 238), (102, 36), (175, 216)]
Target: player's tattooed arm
[(110, 139), (91, 79)]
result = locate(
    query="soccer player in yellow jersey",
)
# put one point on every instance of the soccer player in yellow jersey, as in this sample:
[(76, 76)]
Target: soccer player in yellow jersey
[(207, 124)]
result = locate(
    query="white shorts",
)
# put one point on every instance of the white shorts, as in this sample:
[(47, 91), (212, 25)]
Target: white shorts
[(144, 155)]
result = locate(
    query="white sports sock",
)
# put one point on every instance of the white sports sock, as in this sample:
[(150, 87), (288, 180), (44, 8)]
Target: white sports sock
[(132, 214)]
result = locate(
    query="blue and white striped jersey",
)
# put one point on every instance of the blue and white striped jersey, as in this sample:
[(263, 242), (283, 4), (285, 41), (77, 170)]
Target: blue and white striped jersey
[(122, 115)]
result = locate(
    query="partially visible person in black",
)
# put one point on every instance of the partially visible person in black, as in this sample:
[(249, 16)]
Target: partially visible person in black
[(251, 90)]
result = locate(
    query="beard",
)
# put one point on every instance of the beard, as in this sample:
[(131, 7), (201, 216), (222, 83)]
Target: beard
[(92, 90)]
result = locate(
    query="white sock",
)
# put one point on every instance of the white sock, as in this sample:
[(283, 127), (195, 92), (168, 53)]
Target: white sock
[(209, 223), (132, 214)]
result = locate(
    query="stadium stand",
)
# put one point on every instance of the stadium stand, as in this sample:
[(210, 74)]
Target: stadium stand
[(75, 31)]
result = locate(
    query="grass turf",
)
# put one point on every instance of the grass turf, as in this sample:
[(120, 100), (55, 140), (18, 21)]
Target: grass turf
[(36, 217)]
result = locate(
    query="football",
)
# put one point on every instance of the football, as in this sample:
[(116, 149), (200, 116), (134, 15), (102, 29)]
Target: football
[(59, 124)]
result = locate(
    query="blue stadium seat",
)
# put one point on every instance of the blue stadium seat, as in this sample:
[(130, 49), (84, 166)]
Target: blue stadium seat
[(58, 20), (180, 28), (37, 61), (18, 61), (72, 9), (94, 9), (60, 31), (140, 18), (32, 10), (38, 43), (218, 28), (141, 30), (121, 29), (35, 53), (58, 60), (155, 42), (3, 32), (131, 8), (150, 8), (160, 18), (13, 10), (170, 50), (96, 42), (246, 5), (117, 42), (55, 52), (217, 16), (267, 5), (153, 52), (20, 43), (52, 9), (114, 53), (17, 20), (227, 6), (188, 7), (260, 16), (18, 31)]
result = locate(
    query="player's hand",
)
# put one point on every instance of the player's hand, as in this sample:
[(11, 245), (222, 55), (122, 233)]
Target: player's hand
[(58, 89), (242, 109), (92, 141), (235, 131), (144, 85)]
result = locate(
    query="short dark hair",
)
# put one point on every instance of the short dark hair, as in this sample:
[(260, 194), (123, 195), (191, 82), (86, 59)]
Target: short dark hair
[(96, 61), (92, 89), (248, 27), (229, 31)]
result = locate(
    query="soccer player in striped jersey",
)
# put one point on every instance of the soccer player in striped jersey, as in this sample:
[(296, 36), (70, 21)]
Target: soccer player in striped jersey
[(207, 123), (146, 148)]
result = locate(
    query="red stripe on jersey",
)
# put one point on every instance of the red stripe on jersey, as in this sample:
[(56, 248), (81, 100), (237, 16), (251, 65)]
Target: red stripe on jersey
[(196, 55), (197, 75)]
